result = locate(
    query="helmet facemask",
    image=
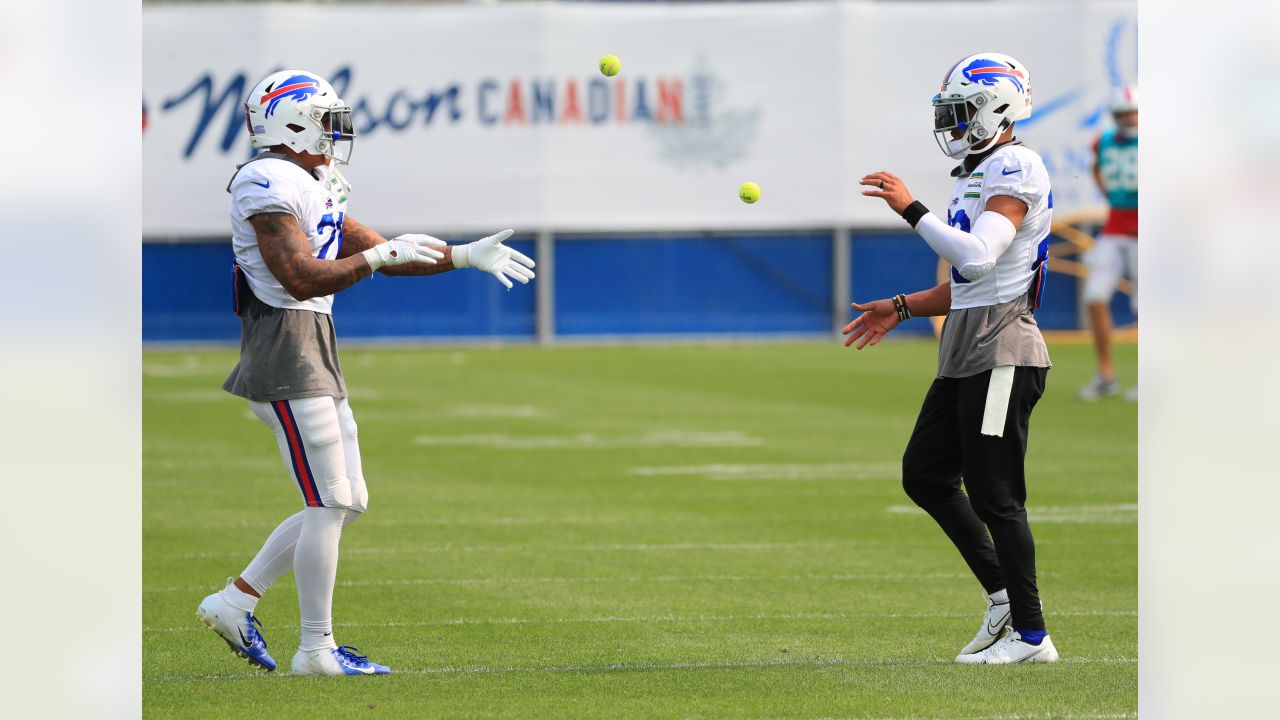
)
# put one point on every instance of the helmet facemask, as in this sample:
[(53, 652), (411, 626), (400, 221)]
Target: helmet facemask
[(960, 113), (335, 127)]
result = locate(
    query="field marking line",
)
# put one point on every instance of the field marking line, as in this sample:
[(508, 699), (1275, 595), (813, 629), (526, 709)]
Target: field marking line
[(1112, 514), (620, 619), (777, 472), (651, 667), (615, 578), (431, 522), (629, 547), (637, 547), (591, 440)]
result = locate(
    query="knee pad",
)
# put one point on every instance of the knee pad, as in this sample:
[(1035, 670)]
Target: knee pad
[(359, 498), (347, 421)]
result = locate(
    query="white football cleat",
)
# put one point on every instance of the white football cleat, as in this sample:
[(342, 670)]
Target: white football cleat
[(335, 661), (993, 626), (238, 628), (1010, 649)]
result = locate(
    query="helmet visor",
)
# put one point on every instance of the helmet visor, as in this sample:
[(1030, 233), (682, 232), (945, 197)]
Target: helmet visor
[(950, 114)]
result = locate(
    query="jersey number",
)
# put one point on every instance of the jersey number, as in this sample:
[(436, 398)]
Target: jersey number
[(959, 220), (335, 233), (1120, 168)]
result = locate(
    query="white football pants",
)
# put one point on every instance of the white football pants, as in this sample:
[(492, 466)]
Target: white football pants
[(1110, 258), (318, 442)]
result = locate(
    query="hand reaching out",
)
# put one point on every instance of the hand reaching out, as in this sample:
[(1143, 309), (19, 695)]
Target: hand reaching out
[(877, 319), (491, 256), (890, 188)]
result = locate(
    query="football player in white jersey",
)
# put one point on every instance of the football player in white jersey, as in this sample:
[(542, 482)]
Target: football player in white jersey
[(295, 246), (992, 360)]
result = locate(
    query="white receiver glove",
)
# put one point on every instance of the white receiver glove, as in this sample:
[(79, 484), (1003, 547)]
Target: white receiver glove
[(405, 249), (491, 256)]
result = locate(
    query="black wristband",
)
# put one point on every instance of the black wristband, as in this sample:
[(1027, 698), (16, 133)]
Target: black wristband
[(914, 212)]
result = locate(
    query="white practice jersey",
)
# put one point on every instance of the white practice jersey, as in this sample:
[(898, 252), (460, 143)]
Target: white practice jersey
[(318, 202), (1018, 172)]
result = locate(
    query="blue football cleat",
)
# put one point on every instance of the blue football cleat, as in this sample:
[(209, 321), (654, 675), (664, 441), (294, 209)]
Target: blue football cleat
[(335, 661), (238, 628)]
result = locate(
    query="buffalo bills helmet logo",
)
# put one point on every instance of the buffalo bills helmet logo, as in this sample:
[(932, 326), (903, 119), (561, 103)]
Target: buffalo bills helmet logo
[(296, 88), (985, 71)]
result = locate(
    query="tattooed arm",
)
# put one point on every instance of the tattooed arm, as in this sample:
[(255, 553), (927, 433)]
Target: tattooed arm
[(358, 237), (287, 253)]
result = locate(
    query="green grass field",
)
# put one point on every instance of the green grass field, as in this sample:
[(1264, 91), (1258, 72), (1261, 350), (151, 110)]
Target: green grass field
[(701, 531)]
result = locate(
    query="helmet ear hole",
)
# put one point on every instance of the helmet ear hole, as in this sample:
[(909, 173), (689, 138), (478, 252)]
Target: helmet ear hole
[(296, 128), (1000, 110)]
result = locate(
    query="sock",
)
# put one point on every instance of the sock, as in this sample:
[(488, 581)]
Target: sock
[(999, 597), (238, 599), (315, 568), (276, 556), (1032, 637)]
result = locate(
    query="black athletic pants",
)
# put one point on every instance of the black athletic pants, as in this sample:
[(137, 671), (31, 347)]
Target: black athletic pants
[(947, 447)]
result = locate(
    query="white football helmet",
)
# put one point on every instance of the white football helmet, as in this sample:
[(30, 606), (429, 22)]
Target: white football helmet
[(1124, 99), (1124, 108), (983, 95), (301, 110)]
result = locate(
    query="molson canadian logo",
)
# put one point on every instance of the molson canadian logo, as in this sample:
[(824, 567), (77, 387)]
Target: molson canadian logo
[(687, 115)]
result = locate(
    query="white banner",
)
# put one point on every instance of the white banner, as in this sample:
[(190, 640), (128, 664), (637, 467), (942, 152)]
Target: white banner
[(478, 118)]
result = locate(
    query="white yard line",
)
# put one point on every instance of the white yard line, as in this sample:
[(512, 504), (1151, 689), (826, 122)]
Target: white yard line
[(651, 667), (1116, 514), (776, 472), (604, 547), (626, 547), (617, 579), (622, 619), (420, 522), (590, 440)]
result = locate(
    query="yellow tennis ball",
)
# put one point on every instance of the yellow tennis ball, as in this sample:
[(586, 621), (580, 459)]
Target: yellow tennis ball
[(749, 192), (610, 65)]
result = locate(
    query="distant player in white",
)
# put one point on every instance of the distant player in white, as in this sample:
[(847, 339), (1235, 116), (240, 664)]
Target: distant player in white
[(992, 360), (295, 246), (1115, 251)]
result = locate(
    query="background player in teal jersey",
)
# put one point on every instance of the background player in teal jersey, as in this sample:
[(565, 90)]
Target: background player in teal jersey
[(1115, 252)]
